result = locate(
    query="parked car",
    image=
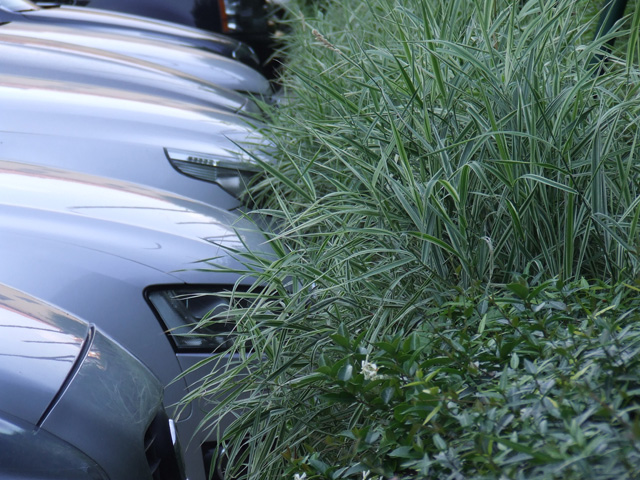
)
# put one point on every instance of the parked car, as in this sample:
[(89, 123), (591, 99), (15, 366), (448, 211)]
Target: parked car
[(135, 26), (46, 60), (207, 66), (200, 152), (73, 404), (244, 19), (123, 256)]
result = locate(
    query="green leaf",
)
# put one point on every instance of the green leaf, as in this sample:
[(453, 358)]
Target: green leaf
[(533, 452), (357, 468), (345, 373), (387, 347), (549, 182), (432, 414), (319, 465), (504, 379), (325, 370), (483, 324), (439, 442), (423, 465), (515, 361), (387, 394), (315, 377), (520, 290), (342, 397), (436, 241), (403, 452), (340, 340), (344, 331)]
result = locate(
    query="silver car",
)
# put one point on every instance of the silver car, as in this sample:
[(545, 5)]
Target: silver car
[(123, 257), (90, 19), (60, 62), (201, 152), (73, 404), (208, 66)]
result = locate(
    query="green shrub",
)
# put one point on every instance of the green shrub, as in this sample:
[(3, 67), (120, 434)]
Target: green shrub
[(526, 382), (529, 383)]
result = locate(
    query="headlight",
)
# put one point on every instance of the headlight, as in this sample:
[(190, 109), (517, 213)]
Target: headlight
[(243, 16), (180, 310), (231, 173)]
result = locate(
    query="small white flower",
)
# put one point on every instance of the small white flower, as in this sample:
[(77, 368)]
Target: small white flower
[(365, 474), (299, 476), (369, 370)]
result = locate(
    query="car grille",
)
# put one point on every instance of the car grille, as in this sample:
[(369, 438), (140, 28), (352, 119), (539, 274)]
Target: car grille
[(159, 449)]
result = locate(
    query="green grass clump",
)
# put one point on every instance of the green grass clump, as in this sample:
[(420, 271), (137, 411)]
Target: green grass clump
[(477, 130), (431, 156)]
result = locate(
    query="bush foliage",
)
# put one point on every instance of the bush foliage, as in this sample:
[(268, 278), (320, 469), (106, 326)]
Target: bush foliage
[(543, 384), (449, 174)]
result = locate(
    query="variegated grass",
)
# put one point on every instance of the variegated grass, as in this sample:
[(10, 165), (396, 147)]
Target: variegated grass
[(429, 150)]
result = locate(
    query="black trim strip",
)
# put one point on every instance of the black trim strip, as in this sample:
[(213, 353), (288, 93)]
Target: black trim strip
[(86, 346)]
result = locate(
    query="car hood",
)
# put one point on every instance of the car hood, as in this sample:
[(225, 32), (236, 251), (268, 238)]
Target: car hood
[(38, 347), (32, 57), (67, 13), (165, 232), (133, 25), (66, 378), (208, 66), (67, 109)]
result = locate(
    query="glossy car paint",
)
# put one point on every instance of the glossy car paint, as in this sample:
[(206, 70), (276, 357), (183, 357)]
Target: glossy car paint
[(32, 57), (207, 66), (186, 12), (81, 404), (22, 442), (38, 347), (92, 246), (204, 14), (118, 134), (91, 19)]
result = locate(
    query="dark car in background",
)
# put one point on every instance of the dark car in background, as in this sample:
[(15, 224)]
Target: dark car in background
[(246, 20), (74, 405)]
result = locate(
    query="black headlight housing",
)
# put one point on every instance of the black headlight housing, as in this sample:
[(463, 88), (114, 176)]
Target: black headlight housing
[(196, 320)]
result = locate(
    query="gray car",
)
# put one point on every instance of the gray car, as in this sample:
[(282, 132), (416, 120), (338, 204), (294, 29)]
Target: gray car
[(197, 151), (247, 19), (208, 66), (123, 257), (73, 404), (90, 19), (55, 61)]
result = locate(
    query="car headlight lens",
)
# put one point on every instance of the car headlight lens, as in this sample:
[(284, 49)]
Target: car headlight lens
[(232, 174), (243, 16), (181, 309)]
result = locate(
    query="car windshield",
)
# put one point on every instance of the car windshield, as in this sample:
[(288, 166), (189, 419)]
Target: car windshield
[(18, 5)]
